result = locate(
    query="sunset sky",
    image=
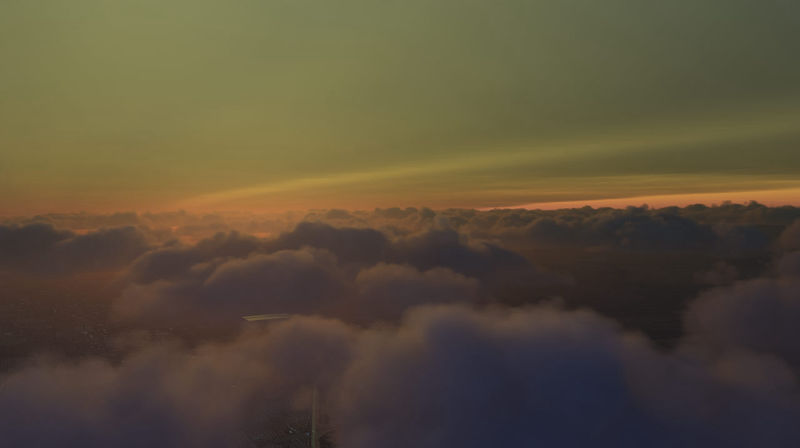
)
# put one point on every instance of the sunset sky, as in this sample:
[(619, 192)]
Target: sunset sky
[(400, 223), (278, 104)]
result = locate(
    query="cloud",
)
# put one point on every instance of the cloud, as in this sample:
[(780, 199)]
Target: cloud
[(448, 248), (445, 376), (23, 244), (222, 290), (730, 228), (169, 396), (101, 249), (790, 238), (306, 281), (760, 315), (789, 265), (385, 292), (542, 377), (39, 247), (356, 274), (633, 228), (719, 275), (348, 244), (173, 259), (399, 321)]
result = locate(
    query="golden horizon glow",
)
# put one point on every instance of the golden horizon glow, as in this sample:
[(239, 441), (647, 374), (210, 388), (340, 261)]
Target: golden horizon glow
[(713, 132), (771, 198), (200, 105)]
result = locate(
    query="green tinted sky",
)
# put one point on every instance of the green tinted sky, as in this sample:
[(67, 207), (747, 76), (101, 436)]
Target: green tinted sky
[(119, 104)]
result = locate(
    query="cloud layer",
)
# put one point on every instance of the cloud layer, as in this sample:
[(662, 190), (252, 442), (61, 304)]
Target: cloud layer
[(355, 274), (446, 375), (43, 248), (424, 329)]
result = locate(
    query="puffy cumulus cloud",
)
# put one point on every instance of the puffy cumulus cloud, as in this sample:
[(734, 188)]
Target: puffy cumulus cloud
[(751, 328), (349, 244), (729, 227), (357, 274), (751, 213), (790, 238), (720, 274), (632, 228), (446, 376), (385, 292), (452, 377), (496, 222), (436, 246), (40, 247), (789, 265), (505, 275), (447, 248), (738, 240), (222, 290), (101, 249), (394, 371), (543, 377), (171, 397), (635, 228), (426, 249), (173, 259), (22, 244), (759, 315), (307, 281)]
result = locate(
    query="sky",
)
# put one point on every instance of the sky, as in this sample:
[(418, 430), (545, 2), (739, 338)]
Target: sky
[(277, 104)]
